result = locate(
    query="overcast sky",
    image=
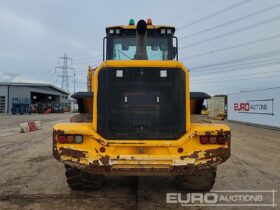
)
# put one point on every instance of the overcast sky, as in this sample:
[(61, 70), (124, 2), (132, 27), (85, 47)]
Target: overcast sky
[(229, 45)]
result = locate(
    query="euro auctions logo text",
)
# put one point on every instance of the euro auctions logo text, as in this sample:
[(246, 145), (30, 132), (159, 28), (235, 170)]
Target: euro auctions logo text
[(263, 198), (261, 106), (242, 107)]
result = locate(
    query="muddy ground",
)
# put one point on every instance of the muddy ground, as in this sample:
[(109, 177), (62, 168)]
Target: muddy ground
[(30, 178)]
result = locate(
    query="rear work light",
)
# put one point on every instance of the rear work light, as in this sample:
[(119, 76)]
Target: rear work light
[(221, 139), (70, 139)]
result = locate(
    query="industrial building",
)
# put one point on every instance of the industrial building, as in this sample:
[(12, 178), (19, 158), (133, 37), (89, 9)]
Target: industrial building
[(29, 93)]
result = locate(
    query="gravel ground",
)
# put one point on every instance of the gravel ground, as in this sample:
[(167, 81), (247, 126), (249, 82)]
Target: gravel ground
[(32, 179)]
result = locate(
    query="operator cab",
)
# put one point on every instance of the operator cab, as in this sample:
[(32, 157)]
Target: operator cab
[(141, 102), (122, 42)]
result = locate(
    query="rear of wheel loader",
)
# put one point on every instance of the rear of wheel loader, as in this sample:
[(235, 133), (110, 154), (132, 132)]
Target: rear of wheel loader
[(135, 117)]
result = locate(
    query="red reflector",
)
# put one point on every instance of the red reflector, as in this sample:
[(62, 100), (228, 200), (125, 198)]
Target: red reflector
[(204, 139), (221, 140), (180, 150), (61, 139), (102, 149)]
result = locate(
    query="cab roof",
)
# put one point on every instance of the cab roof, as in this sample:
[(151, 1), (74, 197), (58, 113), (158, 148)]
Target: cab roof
[(133, 27)]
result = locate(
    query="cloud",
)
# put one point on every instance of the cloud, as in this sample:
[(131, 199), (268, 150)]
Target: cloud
[(23, 37), (8, 77), (34, 33), (15, 77)]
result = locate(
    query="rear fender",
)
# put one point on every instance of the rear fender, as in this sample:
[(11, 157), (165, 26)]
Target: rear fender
[(176, 156)]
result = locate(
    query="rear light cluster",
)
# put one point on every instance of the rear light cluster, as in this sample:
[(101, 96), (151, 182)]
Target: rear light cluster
[(221, 139), (68, 139)]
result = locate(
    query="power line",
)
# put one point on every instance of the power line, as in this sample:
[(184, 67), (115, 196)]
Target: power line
[(233, 32), (247, 58), (240, 89), (195, 9), (87, 58), (247, 67), (237, 76), (232, 21), (214, 14), (49, 76), (255, 64), (243, 68), (87, 62), (50, 73), (234, 46), (236, 66), (249, 78), (85, 68)]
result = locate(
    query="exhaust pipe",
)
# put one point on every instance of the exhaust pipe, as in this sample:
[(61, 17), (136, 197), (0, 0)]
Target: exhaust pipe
[(141, 41)]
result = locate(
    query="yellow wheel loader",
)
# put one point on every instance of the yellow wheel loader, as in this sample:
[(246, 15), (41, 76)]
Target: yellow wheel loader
[(135, 117)]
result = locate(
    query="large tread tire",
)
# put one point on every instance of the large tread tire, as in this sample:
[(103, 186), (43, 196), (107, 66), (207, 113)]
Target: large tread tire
[(83, 181), (77, 179), (201, 180)]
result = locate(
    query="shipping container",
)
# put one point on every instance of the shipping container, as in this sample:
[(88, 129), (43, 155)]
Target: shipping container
[(216, 107), (261, 107)]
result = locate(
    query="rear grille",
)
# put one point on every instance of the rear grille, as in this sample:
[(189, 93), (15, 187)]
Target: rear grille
[(141, 103)]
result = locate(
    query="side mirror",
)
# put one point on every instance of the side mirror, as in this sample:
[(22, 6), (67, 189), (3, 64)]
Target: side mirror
[(175, 52)]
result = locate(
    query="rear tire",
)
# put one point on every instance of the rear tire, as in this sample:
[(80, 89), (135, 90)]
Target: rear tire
[(81, 180), (202, 180)]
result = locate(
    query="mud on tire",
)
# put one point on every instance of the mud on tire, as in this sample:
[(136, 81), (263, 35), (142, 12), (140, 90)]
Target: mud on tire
[(202, 180), (81, 180)]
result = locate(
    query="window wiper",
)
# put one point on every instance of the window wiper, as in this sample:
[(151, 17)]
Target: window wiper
[(124, 54)]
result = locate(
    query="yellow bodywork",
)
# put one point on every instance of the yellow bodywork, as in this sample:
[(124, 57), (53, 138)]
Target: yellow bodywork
[(141, 157)]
